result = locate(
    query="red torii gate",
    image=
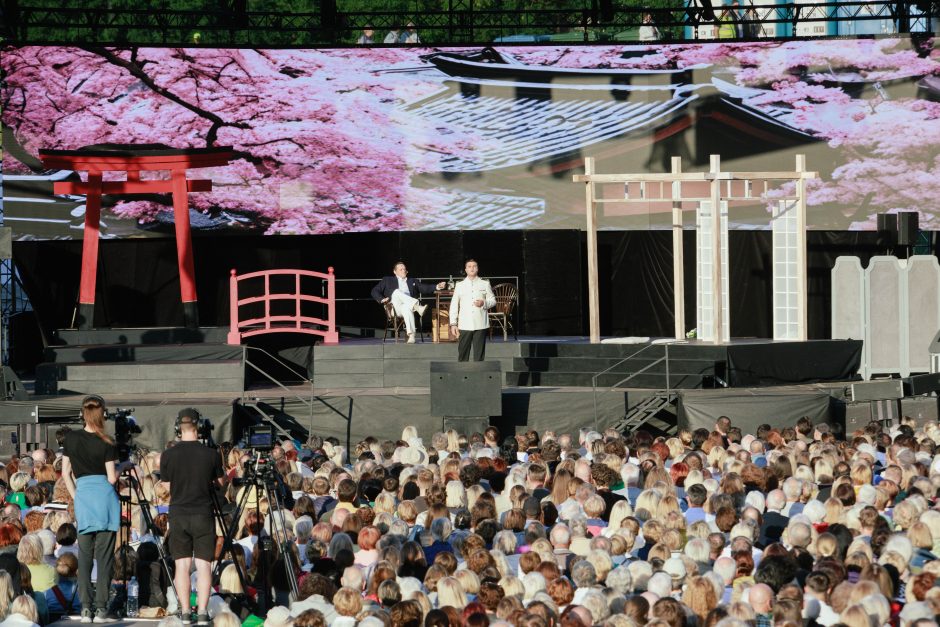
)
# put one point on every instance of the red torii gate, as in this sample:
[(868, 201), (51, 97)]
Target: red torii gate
[(133, 159)]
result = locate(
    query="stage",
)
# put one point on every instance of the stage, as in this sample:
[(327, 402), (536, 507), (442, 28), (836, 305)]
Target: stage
[(363, 387)]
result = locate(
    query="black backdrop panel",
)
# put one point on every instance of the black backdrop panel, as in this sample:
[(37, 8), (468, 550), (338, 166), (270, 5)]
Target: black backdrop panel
[(138, 283), (554, 285), (793, 362)]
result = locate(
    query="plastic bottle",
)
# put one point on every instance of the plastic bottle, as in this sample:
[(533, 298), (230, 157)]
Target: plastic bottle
[(133, 593)]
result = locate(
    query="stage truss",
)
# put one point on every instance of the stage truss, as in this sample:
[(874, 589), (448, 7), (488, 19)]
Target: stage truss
[(457, 22)]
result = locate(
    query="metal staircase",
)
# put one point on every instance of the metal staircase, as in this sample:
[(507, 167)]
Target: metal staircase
[(658, 411)]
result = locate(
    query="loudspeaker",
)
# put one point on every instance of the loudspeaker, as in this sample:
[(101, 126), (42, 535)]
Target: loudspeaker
[(908, 226), (11, 385), (921, 384), (888, 227), (877, 390), (469, 388)]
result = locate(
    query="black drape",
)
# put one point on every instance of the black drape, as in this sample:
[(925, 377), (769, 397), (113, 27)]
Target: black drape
[(138, 283)]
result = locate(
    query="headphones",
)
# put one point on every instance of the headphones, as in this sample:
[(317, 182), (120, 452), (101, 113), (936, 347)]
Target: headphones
[(190, 416), (92, 398)]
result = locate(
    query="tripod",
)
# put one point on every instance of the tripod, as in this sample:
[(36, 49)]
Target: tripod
[(262, 480), (132, 479)]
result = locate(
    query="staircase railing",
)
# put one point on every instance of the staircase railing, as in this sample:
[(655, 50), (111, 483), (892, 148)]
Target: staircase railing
[(621, 382), (314, 398)]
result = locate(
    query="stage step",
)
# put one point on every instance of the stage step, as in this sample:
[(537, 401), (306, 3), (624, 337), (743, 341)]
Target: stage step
[(114, 353), (575, 364), (584, 379), (616, 365), (391, 365), (148, 335), (621, 351), (219, 375)]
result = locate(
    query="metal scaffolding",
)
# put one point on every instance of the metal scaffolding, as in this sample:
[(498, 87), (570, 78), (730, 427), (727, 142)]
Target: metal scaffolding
[(459, 22)]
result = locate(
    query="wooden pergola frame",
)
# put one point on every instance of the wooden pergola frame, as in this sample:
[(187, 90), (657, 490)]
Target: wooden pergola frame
[(673, 181)]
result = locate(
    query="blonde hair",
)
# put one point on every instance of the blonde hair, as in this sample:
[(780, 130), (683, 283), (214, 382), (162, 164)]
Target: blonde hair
[(29, 551), (25, 606), (833, 510), (512, 586), (469, 581), (229, 581), (668, 504), (450, 592), (384, 503), (348, 602), (647, 501), (857, 616), (456, 494), (18, 481), (860, 474), (226, 619), (6, 593), (826, 545), (920, 536), (618, 513)]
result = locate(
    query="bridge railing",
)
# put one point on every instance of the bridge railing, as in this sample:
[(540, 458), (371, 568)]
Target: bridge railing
[(279, 305)]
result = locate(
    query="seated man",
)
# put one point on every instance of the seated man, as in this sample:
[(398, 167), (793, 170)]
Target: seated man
[(403, 293)]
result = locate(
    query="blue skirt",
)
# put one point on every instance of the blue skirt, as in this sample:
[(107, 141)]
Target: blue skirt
[(96, 505)]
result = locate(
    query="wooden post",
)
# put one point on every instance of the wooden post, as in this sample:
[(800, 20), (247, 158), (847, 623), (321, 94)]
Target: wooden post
[(678, 256), (594, 314), (801, 292), (717, 300)]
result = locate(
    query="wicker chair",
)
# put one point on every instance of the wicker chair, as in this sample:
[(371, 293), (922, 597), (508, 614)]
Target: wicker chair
[(395, 324), (501, 316)]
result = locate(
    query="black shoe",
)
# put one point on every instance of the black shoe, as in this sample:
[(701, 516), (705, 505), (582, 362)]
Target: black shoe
[(187, 618), (202, 619)]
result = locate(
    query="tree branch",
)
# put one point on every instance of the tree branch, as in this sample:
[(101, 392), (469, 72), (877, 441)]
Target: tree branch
[(136, 71)]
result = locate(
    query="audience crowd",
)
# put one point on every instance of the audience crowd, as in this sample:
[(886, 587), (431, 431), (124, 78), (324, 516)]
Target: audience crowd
[(792, 527)]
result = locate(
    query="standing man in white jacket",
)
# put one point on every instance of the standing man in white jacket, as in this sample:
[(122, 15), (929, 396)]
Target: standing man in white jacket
[(469, 321)]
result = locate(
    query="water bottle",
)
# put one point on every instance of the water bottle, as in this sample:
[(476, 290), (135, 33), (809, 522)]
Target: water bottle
[(133, 592)]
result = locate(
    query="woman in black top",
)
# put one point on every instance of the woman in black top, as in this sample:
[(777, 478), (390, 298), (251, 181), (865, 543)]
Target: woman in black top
[(90, 456)]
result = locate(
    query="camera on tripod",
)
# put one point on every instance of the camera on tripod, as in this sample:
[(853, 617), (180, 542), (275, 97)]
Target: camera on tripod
[(125, 428), (260, 440)]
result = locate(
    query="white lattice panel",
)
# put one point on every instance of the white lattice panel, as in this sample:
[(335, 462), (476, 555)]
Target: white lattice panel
[(703, 260)]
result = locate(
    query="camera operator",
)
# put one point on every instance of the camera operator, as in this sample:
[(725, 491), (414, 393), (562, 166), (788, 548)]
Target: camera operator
[(90, 456), (191, 469)]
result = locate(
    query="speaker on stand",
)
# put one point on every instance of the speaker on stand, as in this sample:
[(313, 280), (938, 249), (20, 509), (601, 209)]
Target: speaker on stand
[(888, 230), (465, 394)]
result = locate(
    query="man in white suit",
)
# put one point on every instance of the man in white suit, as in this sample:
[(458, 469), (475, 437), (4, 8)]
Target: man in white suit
[(469, 321)]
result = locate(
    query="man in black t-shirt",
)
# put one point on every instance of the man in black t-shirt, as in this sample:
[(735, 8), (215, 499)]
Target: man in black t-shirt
[(191, 469)]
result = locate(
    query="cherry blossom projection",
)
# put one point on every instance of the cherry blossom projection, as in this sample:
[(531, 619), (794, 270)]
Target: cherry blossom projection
[(407, 139)]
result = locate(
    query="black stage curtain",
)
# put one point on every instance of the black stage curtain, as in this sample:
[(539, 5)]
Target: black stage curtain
[(793, 362), (138, 283)]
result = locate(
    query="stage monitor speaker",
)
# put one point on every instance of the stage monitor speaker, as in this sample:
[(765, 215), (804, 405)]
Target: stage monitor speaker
[(882, 390), (6, 242), (908, 226), (468, 388), (13, 389), (888, 227), (921, 384)]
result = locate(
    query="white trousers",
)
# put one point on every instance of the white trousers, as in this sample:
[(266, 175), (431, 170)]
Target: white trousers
[(405, 308)]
